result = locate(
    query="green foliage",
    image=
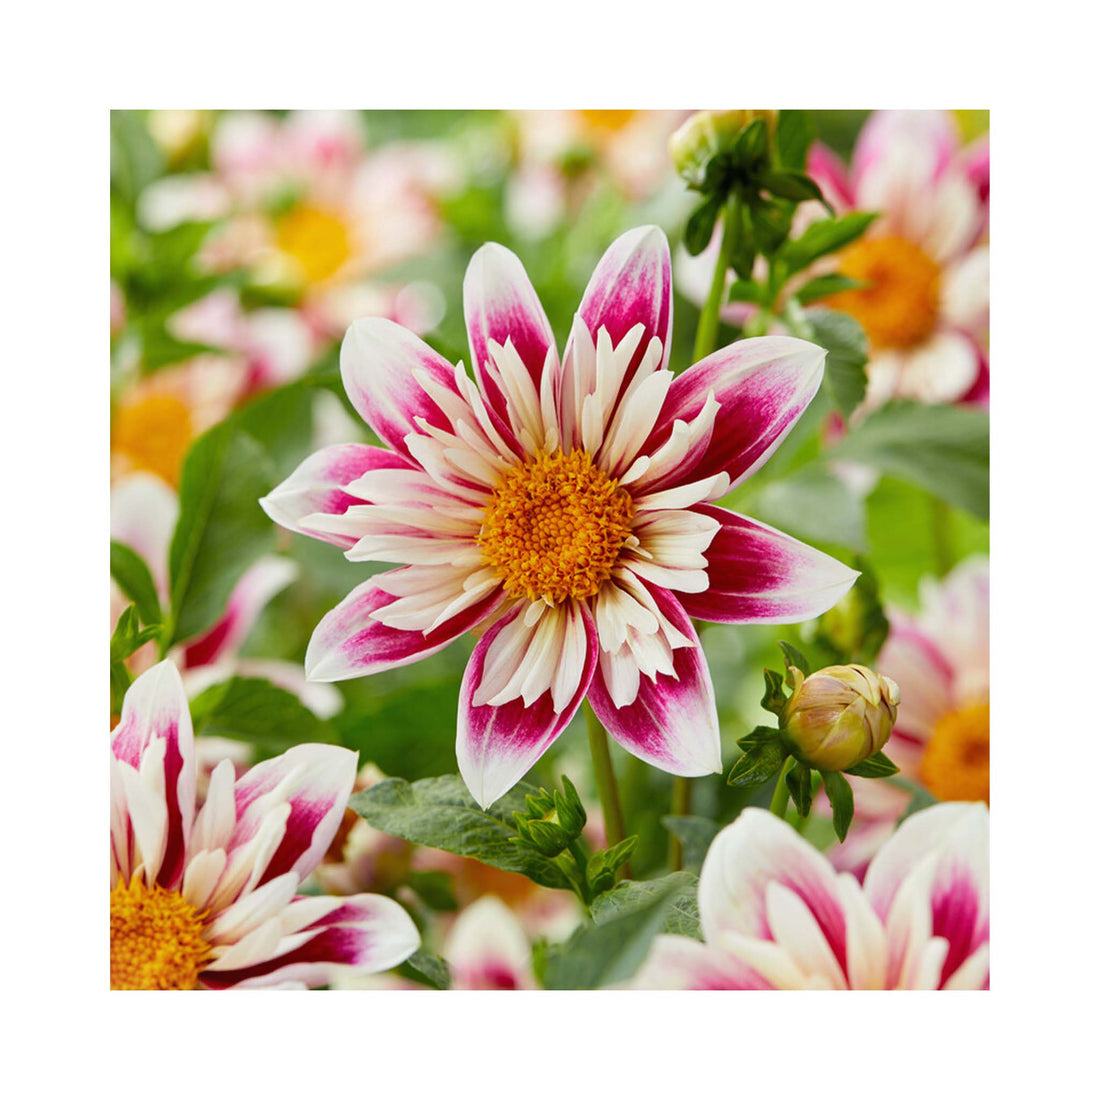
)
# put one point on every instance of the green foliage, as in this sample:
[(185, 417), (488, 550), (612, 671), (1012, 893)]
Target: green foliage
[(758, 764), (435, 889), (258, 712), (941, 448), (221, 529), (874, 767), (426, 969), (133, 577), (825, 285), (128, 638), (775, 699), (800, 786), (821, 238), (846, 363), (626, 919), (695, 835), (856, 627), (700, 225), (839, 792), (441, 813), (600, 870), (794, 133)]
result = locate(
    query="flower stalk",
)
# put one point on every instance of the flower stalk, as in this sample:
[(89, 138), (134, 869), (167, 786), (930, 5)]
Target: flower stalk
[(780, 797), (706, 335), (606, 785)]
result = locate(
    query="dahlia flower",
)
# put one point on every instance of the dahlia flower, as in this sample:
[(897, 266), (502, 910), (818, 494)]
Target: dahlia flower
[(561, 508), (776, 915), (208, 898), (925, 261), (309, 207), (940, 660)]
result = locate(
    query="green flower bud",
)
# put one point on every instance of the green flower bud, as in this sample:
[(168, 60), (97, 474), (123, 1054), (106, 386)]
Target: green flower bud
[(706, 133), (840, 715)]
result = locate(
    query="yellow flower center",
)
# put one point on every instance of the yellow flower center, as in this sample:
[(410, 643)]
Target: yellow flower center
[(156, 939), (316, 239), (554, 527), (607, 121), (154, 433), (955, 766), (899, 305)]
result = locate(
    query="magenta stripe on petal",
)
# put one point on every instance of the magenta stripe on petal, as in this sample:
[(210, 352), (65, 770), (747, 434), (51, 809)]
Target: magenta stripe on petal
[(155, 707), (673, 723), (831, 175), (348, 642), (378, 361), (632, 283), (501, 304), (497, 745), (762, 386), (317, 486), (758, 574), (956, 904)]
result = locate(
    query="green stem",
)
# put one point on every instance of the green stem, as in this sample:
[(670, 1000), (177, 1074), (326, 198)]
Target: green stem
[(605, 782), (706, 335), (681, 806), (943, 537), (581, 860), (779, 799)]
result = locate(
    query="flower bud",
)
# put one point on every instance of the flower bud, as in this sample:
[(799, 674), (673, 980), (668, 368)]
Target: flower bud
[(840, 715), (706, 133)]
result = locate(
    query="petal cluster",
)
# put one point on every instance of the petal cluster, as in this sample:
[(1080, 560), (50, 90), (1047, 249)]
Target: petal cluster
[(562, 506), (775, 914), (235, 864)]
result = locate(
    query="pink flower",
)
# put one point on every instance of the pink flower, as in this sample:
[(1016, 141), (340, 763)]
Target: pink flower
[(562, 509), (209, 897), (940, 661), (776, 915), (926, 306), (487, 948)]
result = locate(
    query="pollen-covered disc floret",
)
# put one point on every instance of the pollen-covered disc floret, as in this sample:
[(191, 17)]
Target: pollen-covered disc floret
[(156, 938), (554, 527)]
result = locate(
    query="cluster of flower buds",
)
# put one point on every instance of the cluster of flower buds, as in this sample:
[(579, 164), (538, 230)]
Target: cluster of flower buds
[(553, 821), (839, 716)]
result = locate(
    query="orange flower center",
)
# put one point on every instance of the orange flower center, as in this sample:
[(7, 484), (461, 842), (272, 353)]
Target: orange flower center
[(607, 121), (955, 766), (554, 527), (154, 433), (156, 938), (316, 239), (899, 305)]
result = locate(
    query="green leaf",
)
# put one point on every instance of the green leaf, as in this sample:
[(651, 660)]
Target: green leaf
[(814, 504), (839, 792), (794, 133), (625, 921), (794, 658), (775, 698), (761, 735), (221, 529), (135, 158), (758, 765), (751, 146), (129, 636), (845, 366), (823, 237), (695, 835), (771, 222), (855, 628), (426, 969), (120, 684), (941, 448), (680, 889), (874, 767), (792, 185), (133, 577), (825, 285), (801, 789), (259, 712), (700, 225), (282, 421), (441, 813)]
